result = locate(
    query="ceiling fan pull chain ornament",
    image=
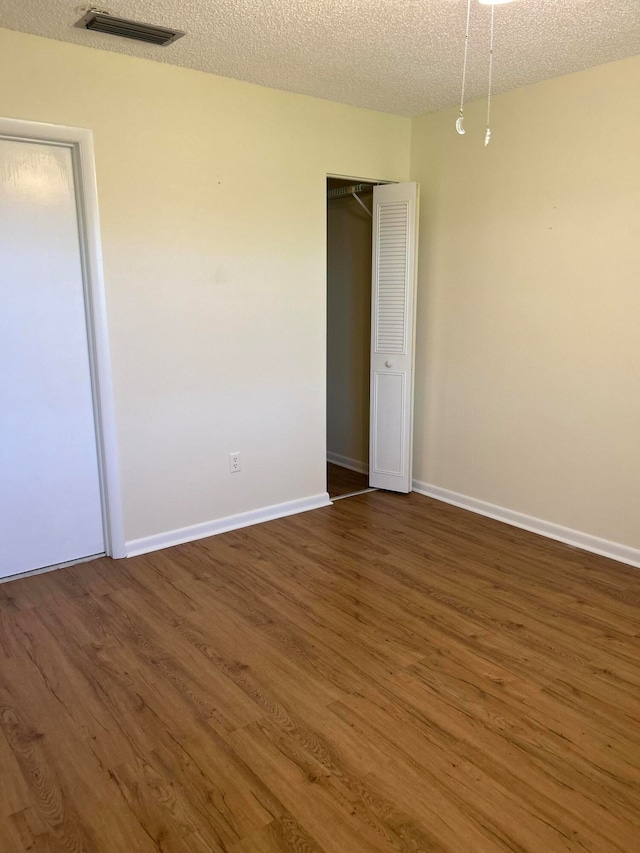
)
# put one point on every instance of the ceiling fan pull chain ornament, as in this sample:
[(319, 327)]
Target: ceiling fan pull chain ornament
[(459, 120), (487, 136), (459, 127)]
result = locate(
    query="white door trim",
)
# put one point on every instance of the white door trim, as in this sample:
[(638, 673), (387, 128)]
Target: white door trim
[(336, 459), (80, 143)]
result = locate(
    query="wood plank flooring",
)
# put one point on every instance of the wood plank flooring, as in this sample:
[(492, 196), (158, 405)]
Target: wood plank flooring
[(386, 674), (343, 481)]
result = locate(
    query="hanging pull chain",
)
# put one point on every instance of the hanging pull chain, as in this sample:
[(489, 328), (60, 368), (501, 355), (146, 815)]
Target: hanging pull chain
[(459, 126), (487, 136)]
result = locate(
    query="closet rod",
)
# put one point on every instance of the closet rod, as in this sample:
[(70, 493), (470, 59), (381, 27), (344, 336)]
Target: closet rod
[(339, 192)]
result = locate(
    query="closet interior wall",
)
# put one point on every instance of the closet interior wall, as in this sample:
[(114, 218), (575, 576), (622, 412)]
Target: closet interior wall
[(348, 327)]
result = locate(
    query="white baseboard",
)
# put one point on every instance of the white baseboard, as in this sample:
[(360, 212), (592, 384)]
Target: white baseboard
[(134, 547), (604, 547), (346, 462)]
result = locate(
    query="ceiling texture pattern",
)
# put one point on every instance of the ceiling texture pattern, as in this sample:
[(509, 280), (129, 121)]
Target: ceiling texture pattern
[(397, 56)]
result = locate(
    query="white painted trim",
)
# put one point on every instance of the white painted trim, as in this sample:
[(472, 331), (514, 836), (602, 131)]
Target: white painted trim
[(576, 538), (223, 525), (53, 568), (80, 142), (372, 181), (352, 494), (346, 462)]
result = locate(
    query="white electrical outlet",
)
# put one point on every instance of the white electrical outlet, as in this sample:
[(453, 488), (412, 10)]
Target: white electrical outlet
[(234, 462)]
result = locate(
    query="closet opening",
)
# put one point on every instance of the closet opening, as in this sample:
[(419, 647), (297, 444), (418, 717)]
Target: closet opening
[(349, 235)]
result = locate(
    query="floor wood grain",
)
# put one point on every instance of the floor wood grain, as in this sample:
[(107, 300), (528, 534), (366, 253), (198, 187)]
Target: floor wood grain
[(386, 674), (343, 481)]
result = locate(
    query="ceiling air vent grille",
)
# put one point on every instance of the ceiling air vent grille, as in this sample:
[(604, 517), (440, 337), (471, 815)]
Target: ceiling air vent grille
[(103, 22)]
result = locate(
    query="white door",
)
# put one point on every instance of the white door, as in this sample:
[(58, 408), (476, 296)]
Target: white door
[(394, 268), (50, 498)]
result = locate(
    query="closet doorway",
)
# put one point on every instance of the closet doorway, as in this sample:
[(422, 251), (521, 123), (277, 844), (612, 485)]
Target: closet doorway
[(372, 250), (349, 234)]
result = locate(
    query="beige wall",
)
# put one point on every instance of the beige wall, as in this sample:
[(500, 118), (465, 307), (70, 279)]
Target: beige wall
[(348, 327), (528, 359), (212, 196), (213, 208)]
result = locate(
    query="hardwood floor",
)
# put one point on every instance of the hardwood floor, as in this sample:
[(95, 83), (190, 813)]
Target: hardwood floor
[(389, 673), (343, 481)]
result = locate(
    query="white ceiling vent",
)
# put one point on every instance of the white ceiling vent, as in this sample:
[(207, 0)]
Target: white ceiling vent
[(103, 22)]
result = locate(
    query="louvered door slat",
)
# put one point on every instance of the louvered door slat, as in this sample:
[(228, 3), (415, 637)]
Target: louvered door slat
[(391, 285)]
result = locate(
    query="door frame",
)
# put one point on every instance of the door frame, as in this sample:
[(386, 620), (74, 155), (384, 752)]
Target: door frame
[(355, 180), (79, 141)]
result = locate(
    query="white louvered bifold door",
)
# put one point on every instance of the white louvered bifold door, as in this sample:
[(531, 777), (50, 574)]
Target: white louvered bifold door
[(395, 234)]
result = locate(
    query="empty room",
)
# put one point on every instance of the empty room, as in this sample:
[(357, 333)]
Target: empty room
[(320, 426)]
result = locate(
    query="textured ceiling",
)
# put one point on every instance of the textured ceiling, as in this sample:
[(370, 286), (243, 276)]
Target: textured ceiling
[(398, 56)]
